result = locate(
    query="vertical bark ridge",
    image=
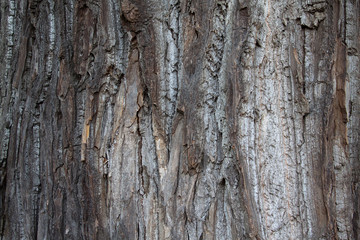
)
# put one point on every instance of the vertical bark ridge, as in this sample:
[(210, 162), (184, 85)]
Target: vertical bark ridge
[(352, 22)]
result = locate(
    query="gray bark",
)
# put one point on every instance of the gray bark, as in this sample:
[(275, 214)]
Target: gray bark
[(179, 119)]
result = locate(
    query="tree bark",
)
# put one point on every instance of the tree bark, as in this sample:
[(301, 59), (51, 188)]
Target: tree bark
[(180, 119)]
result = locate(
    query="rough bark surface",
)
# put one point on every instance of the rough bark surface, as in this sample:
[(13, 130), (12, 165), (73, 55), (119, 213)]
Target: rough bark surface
[(180, 119)]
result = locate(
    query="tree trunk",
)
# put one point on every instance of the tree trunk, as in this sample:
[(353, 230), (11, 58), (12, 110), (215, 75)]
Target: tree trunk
[(180, 119)]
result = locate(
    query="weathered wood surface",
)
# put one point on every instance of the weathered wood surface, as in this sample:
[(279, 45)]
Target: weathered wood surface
[(180, 119)]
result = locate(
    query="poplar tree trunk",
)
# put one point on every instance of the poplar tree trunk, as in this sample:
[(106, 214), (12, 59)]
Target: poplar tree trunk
[(180, 119)]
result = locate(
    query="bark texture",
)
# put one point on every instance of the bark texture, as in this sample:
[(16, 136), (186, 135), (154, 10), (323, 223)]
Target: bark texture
[(180, 119)]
